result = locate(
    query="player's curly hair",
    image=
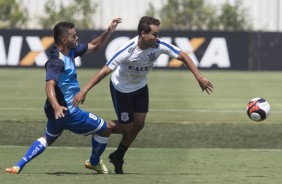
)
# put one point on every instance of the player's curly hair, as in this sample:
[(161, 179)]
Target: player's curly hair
[(61, 29), (145, 22)]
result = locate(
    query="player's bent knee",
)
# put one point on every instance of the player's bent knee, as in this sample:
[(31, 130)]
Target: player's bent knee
[(138, 126), (120, 128), (127, 128), (49, 140)]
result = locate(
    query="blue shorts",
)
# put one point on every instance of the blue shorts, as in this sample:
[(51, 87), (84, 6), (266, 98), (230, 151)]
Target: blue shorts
[(79, 122)]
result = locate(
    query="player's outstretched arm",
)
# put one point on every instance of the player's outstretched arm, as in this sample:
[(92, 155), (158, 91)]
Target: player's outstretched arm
[(204, 83), (98, 42), (80, 97)]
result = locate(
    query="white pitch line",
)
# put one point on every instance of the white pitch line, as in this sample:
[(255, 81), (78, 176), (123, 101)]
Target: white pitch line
[(151, 110), (113, 148)]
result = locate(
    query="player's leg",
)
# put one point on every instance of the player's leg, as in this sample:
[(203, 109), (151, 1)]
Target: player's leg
[(140, 107), (138, 125), (85, 123), (53, 131), (123, 104), (37, 147), (121, 128), (99, 145), (138, 102), (117, 157)]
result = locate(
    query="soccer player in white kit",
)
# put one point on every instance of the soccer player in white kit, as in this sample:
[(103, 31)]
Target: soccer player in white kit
[(128, 84)]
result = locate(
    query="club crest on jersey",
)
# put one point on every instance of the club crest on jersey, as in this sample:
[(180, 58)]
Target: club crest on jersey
[(124, 116), (152, 56), (130, 50)]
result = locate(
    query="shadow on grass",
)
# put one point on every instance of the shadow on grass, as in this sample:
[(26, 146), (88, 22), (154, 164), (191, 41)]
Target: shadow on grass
[(69, 173), (155, 174)]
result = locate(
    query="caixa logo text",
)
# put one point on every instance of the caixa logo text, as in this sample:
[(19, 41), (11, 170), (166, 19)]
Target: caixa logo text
[(215, 54), (11, 56)]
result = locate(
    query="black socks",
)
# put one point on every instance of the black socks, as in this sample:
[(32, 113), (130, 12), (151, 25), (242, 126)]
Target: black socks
[(120, 152)]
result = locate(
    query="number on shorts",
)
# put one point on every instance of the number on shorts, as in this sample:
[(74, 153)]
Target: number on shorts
[(93, 116)]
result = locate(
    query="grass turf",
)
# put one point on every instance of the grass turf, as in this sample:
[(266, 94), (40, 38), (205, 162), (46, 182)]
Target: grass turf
[(180, 114), (150, 165), (182, 123)]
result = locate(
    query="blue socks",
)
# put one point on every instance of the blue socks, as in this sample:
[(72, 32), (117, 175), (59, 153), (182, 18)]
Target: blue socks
[(34, 150), (99, 145)]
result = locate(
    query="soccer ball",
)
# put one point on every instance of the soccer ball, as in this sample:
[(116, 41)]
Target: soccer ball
[(258, 109)]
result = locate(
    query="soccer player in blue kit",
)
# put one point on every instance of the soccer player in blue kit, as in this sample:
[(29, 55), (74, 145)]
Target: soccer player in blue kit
[(128, 84), (61, 87)]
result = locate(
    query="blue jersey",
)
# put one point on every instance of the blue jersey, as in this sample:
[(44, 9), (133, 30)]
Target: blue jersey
[(62, 69)]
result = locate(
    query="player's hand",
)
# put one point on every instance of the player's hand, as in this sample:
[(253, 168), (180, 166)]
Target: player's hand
[(114, 24), (59, 112), (206, 85), (78, 99)]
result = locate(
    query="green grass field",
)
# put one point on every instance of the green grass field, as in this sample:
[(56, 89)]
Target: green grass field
[(189, 136), (151, 165)]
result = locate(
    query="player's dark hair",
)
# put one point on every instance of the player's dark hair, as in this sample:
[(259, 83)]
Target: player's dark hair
[(61, 29), (145, 22)]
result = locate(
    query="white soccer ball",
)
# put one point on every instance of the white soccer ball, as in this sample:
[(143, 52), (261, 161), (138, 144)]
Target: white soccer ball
[(258, 109)]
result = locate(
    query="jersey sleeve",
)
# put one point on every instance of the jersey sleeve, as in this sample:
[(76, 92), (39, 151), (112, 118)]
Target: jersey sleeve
[(169, 49), (54, 68), (80, 49), (120, 56)]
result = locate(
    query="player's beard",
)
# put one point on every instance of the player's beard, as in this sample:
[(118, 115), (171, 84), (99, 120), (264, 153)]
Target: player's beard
[(150, 43), (153, 43), (72, 45)]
